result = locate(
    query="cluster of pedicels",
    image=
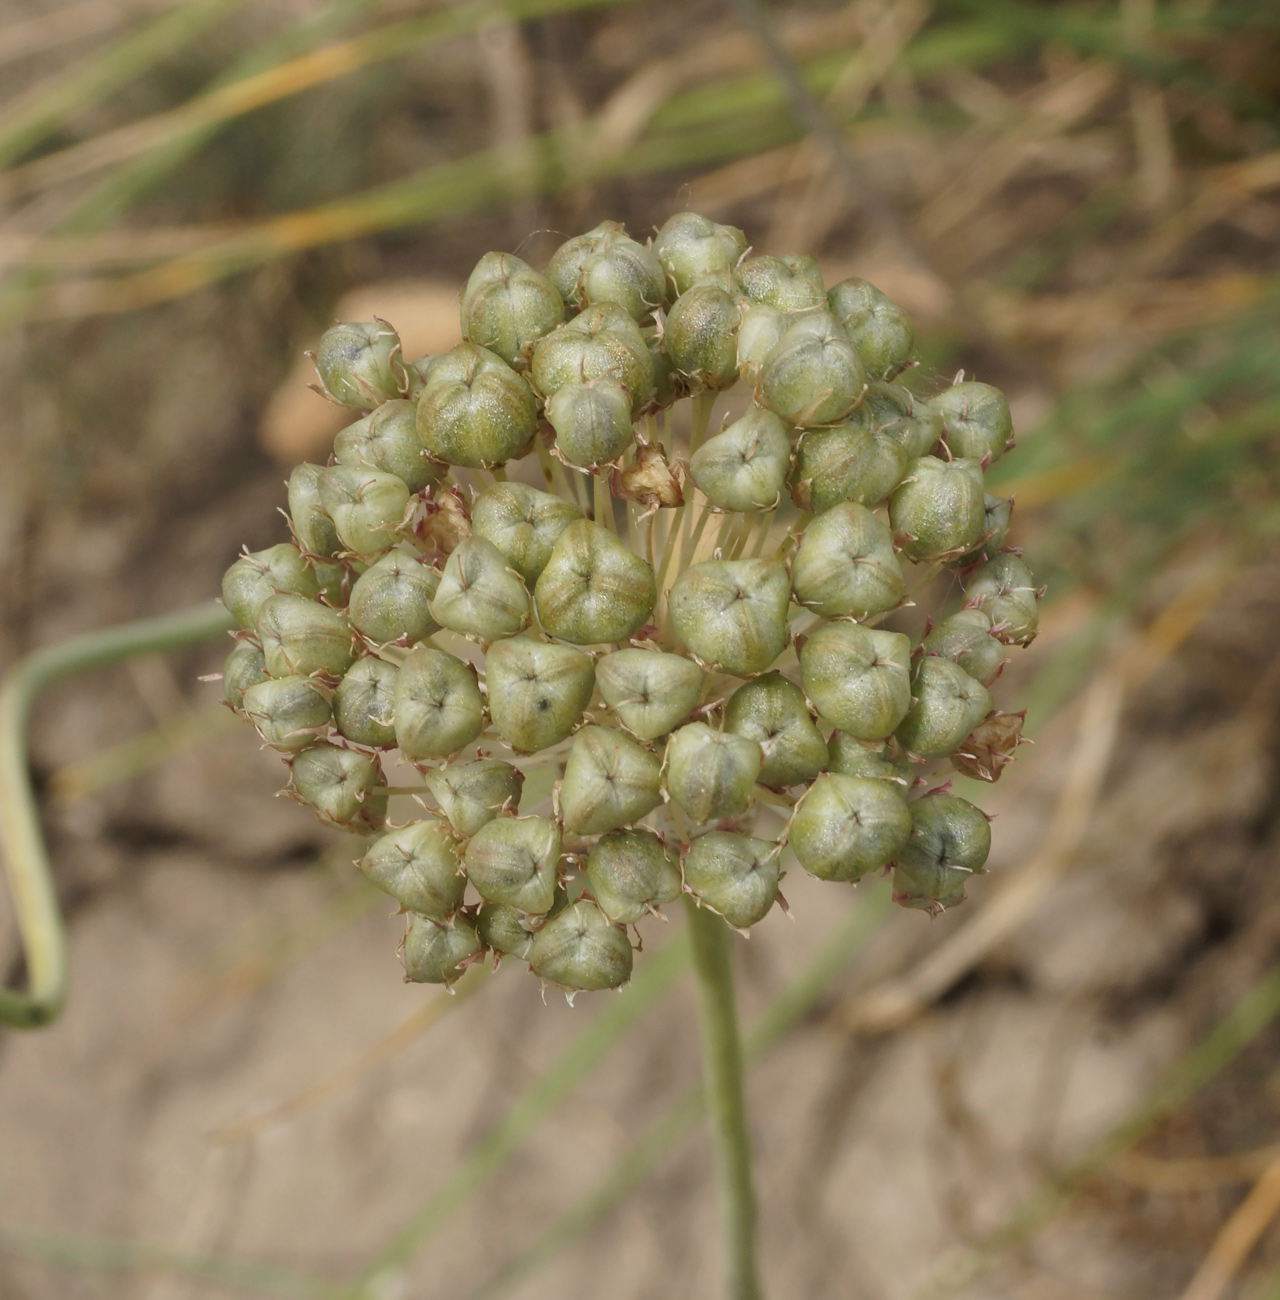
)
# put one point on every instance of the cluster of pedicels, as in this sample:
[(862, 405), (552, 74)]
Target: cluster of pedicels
[(688, 682)]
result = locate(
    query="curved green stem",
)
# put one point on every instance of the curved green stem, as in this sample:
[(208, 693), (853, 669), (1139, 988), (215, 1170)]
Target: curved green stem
[(22, 843), (726, 1102)]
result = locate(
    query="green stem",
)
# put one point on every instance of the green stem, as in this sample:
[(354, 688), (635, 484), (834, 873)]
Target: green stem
[(26, 856), (722, 1071)]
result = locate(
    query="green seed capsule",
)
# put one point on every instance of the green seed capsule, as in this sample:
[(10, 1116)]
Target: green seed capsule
[(602, 343), (692, 248), (650, 692), (300, 637), (514, 860), (946, 705), (772, 712), (475, 410), (711, 774), (387, 440), (734, 875), (852, 461), (340, 785), (975, 421), (632, 873), (246, 666), (499, 928), (364, 703), (582, 949), (593, 589), (892, 414), (255, 577), (609, 781), (391, 600), (745, 467), (592, 422), (523, 524), (507, 307), (472, 794), (438, 954), (311, 524), (759, 331), (853, 757), (733, 613), (858, 678), (966, 639), (607, 265), (360, 364), (537, 691), (334, 580), (419, 865), (813, 375), (701, 337), (784, 283), (880, 329), (367, 506), (845, 826), (480, 594), (1005, 591), (665, 386), (289, 712), (937, 512), (846, 564), (949, 842), (438, 706)]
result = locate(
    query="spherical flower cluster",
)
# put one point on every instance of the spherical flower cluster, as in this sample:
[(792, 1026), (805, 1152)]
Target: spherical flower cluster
[(691, 665)]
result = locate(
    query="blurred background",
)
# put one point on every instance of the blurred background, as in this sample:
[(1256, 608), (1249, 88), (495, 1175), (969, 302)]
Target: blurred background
[(1065, 1090)]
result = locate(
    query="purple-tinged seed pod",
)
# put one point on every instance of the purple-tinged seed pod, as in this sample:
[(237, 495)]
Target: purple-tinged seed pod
[(367, 506), (858, 678), (602, 343), (523, 524), (594, 589), (607, 265), (813, 375), (300, 637), (735, 876), (991, 746), (439, 954), (760, 327), (360, 364), (480, 594), (846, 564), (772, 711), (946, 705), (609, 781), (514, 860), (289, 712), (692, 248), (438, 706), (966, 639), (938, 511), (853, 757), (975, 421), (391, 600), (255, 577), (881, 331), (340, 785), (420, 866), (632, 873), (472, 794), (581, 949), (500, 928), (1005, 590), (785, 283), (387, 440), (846, 826), (745, 466), (364, 703), (246, 666), (711, 774), (701, 338), (950, 840), (732, 614), (312, 525), (507, 307), (648, 690), (592, 422), (537, 691)]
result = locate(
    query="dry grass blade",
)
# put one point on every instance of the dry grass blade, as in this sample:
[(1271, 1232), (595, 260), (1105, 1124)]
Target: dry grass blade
[(73, 22), (1194, 1174), (1238, 1237)]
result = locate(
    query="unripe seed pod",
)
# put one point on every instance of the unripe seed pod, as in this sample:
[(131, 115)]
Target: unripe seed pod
[(845, 826), (785, 283), (1005, 590), (480, 594), (999, 511), (603, 343), (360, 364), (472, 794), (387, 440), (366, 506), (311, 524), (364, 703), (772, 712), (334, 580), (733, 613), (863, 459), (246, 666), (391, 600), (419, 865), (858, 678), (946, 705), (523, 524), (701, 337), (949, 842), (255, 577), (475, 410), (632, 873), (966, 639), (880, 329), (607, 265), (852, 757), (711, 774), (975, 421), (499, 928), (582, 949), (893, 414), (300, 637), (565, 268), (691, 248), (514, 860), (813, 375), (665, 387), (938, 512), (438, 707), (760, 327), (438, 954), (339, 784), (289, 712), (593, 589), (609, 781), (735, 876), (592, 422), (744, 467), (648, 690), (846, 564), (537, 691), (507, 307)]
